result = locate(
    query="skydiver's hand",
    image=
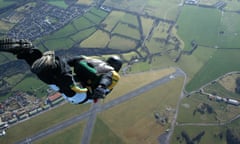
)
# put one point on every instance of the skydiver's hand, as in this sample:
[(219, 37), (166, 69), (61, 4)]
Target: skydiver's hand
[(100, 92)]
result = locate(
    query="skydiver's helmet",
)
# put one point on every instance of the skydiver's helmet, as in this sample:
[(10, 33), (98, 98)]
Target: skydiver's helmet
[(115, 62), (46, 62)]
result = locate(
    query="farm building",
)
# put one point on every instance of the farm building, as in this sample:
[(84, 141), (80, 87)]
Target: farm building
[(192, 2), (55, 98), (226, 100), (233, 102)]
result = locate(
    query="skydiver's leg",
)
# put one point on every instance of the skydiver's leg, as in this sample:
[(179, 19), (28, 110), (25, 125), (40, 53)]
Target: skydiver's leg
[(30, 56), (15, 46), (23, 49)]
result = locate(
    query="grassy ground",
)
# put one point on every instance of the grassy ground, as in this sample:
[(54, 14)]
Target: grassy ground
[(216, 66), (4, 3), (221, 112), (37, 87), (113, 19), (59, 3), (70, 135), (121, 43), (133, 81), (199, 24), (163, 9), (209, 27), (86, 2), (124, 29), (146, 24), (99, 38), (189, 105), (211, 134), (135, 123), (103, 134)]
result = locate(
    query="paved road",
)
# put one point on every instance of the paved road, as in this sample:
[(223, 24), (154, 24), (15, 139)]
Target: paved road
[(90, 124), (54, 129), (91, 114), (178, 72)]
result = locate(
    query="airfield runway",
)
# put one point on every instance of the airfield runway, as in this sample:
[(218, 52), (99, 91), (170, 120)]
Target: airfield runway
[(96, 108)]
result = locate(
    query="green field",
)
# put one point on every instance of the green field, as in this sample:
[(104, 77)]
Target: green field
[(135, 123), (199, 24), (211, 134), (98, 12), (222, 113), (59, 3), (229, 24), (146, 24), (121, 43), (4, 3), (216, 66), (103, 134), (82, 23), (37, 87), (70, 135), (209, 27), (124, 29), (204, 29), (99, 38), (85, 2), (167, 9)]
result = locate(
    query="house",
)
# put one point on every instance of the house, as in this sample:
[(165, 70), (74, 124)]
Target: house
[(226, 100), (2, 132), (191, 2), (54, 97), (1, 109), (3, 125), (13, 120)]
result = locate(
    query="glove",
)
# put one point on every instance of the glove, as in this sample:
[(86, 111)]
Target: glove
[(100, 92)]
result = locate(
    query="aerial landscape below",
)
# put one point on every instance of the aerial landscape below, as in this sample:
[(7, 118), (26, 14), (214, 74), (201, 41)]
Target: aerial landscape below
[(180, 78)]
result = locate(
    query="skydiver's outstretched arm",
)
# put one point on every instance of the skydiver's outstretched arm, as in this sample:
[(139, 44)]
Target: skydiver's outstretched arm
[(106, 84)]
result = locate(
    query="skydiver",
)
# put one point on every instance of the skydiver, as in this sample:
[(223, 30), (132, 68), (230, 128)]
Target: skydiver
[(49, 68), (98, 76)]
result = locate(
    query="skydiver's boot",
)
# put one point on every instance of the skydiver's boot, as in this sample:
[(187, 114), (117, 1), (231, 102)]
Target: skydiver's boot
[(15, 46)]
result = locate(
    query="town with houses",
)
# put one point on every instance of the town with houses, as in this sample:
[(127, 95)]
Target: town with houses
[(42, 19), (22, 106)]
